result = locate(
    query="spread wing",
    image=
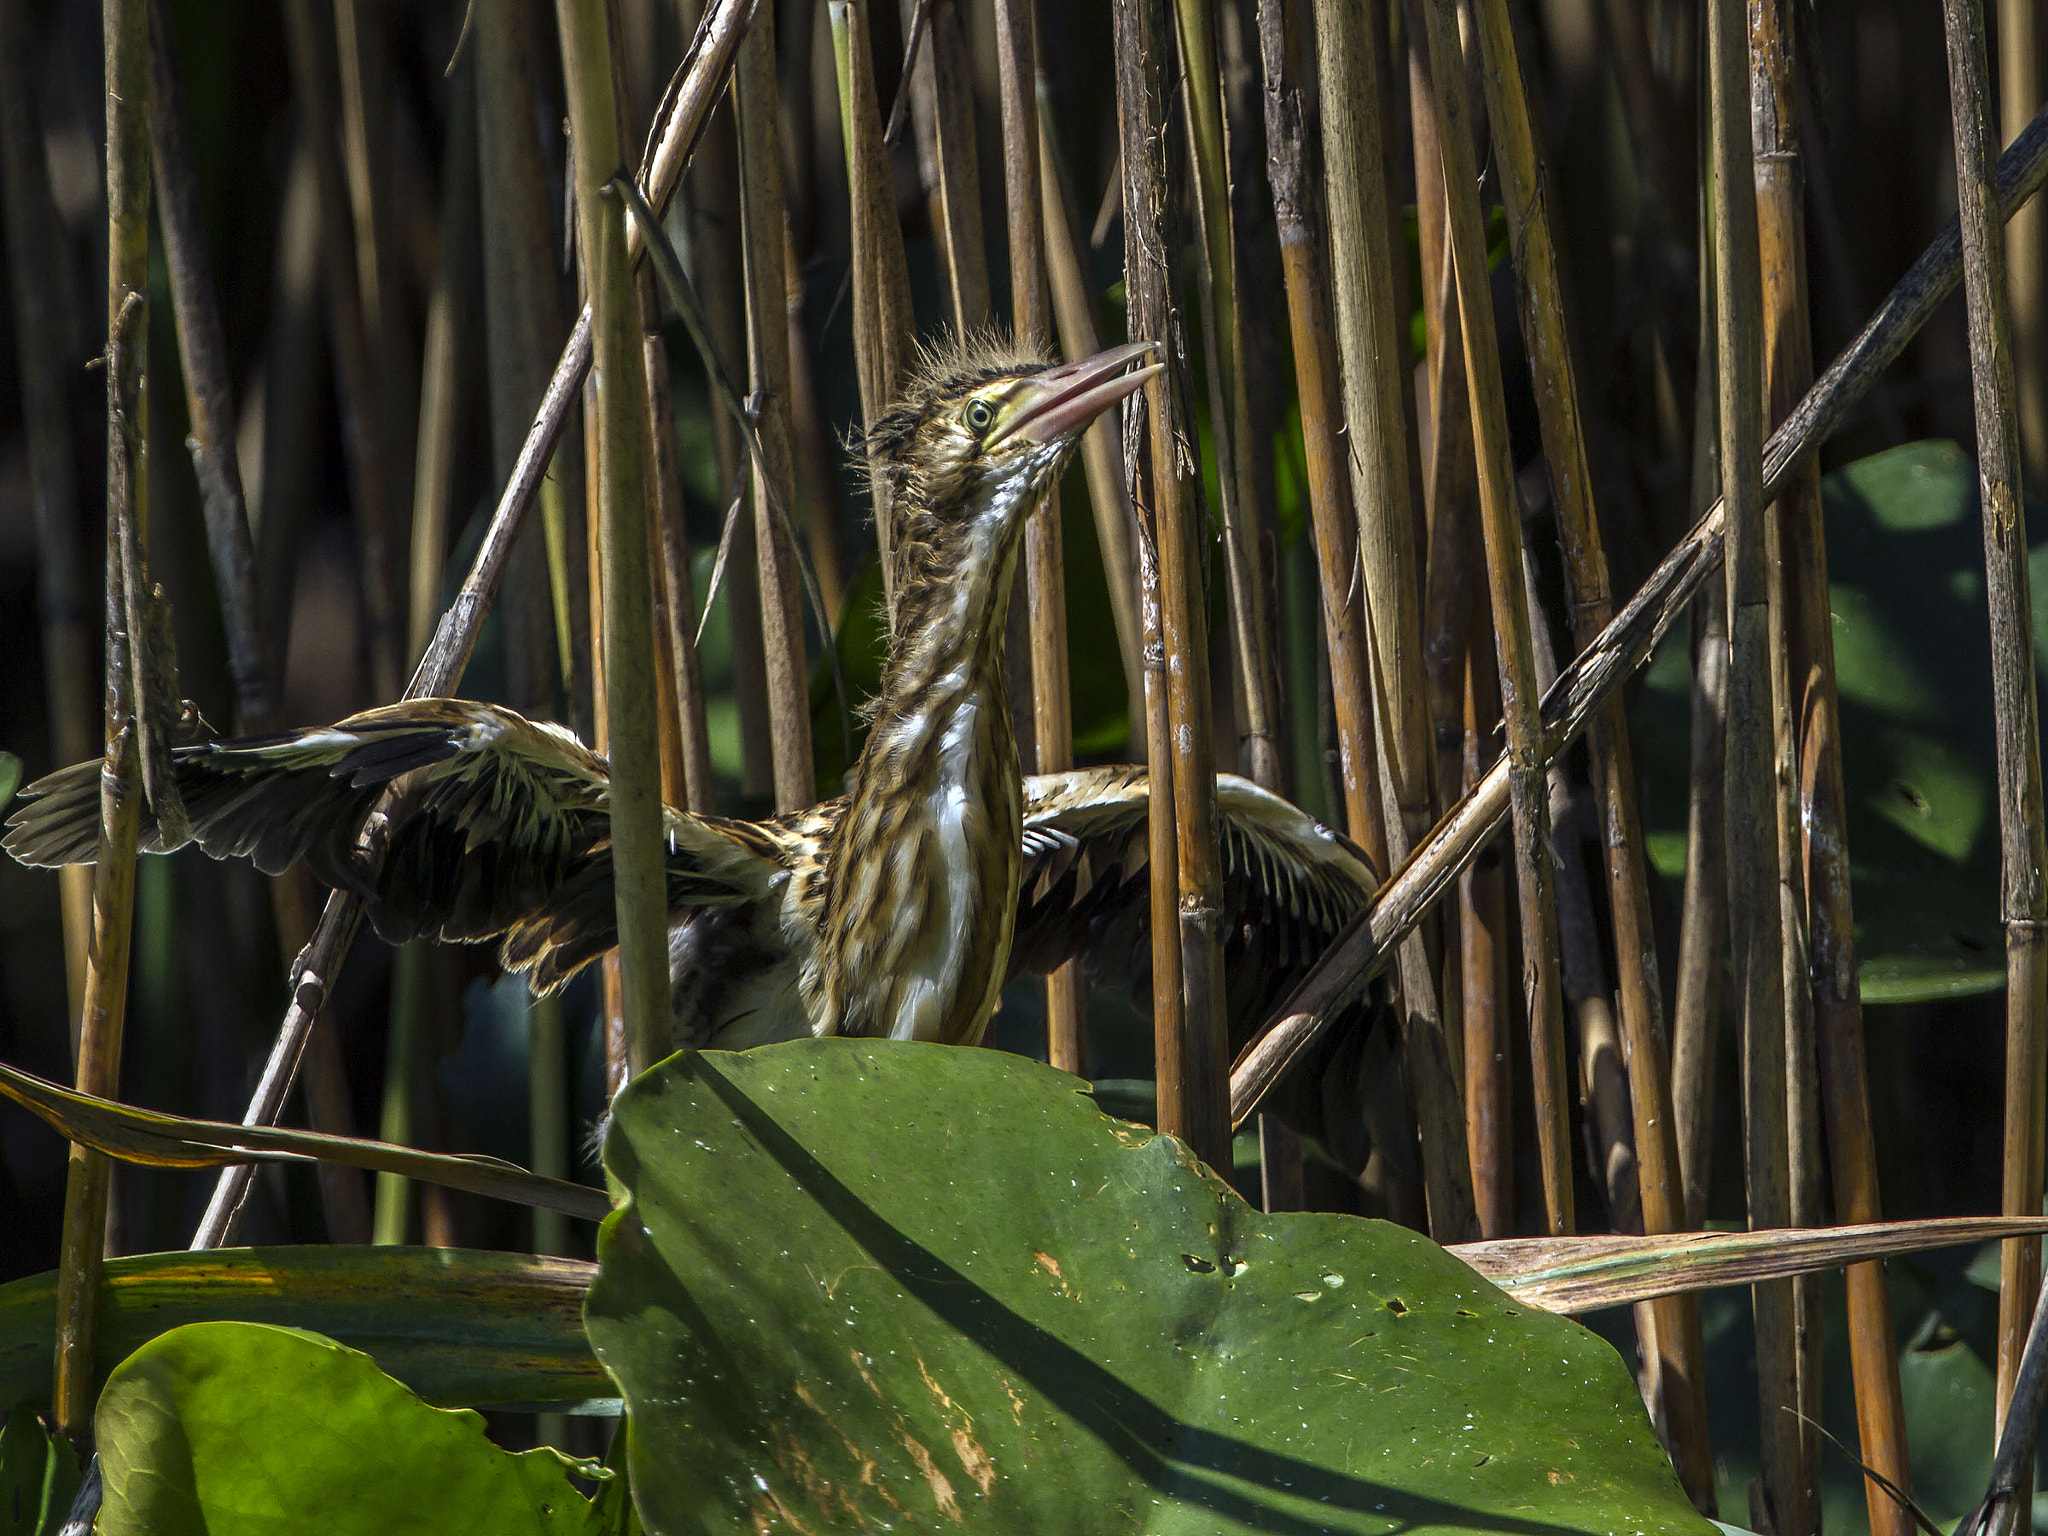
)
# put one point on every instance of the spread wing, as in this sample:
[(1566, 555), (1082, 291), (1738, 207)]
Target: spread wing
[(1289, 885), (495, 825)]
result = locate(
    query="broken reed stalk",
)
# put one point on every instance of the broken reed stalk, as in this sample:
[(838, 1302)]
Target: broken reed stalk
[(2023, 900), (1190, 1035), (1262, 730), (1362, 950), (1108, 500), (882, 320), (768, 375), (620, 447), (1822, 988), (106, 980), (1507, 588), (697, 86), (1298, 214), (1750, 801), (44, 330), (1025, 194), (1672, 1352)]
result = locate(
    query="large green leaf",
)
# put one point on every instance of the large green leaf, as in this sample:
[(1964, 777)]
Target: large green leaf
[(459, 1328), (871, 1284), (222, 1428), (1913, 665)]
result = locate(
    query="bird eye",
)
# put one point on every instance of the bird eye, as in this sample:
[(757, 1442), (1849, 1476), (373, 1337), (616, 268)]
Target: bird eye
[(980, 415)]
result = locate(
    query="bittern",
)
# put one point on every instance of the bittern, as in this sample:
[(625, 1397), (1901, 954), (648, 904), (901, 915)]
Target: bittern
[(899, 909)]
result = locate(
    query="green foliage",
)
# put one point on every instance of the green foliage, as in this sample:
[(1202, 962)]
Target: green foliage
[(38, 1475), (222, 1428), (10, 777), (1913, 664), (871, 1283)]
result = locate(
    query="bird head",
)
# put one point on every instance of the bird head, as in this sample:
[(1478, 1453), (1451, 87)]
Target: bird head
[(977, 436)]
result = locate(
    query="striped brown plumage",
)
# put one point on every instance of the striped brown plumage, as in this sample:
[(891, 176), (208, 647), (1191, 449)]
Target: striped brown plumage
[(899, 909)]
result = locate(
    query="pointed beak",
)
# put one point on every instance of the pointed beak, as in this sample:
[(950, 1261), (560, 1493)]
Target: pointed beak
[(1063, 400)]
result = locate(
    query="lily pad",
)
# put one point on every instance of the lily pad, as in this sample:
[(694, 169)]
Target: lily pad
[(220, 1428), (864, 1284)]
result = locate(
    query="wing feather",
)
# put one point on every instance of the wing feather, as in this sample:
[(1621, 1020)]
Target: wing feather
[(1289, 885), (493, 825)]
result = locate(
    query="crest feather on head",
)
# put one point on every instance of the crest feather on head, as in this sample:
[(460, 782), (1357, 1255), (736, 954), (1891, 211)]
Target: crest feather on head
[(944, 370)]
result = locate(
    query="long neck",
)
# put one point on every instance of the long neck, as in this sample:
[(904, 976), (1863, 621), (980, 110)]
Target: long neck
[(923, 874)]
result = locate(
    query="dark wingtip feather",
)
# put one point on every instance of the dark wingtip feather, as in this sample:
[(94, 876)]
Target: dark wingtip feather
[(58, 822)]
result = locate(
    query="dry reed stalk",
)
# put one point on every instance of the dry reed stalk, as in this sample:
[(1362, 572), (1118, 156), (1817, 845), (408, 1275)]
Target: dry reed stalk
[(1507, 588), (1464, 679), (1108, 500), (1696, 1013), (668, 557), (685, 729), (44, 329), (1025, 195), (942, 99), (1822, 993), (1262, 729), (128, 643), (522, 332), (1486, 1013), (1369, 311), (523, 326), (765, 280), (2023, 847), (1190, 1035), (2021, 42), (1362, 950), (697, 85), (883, 324), (620, 449), (1368, 315), (1298, 213), (1673, 1366), (1750, 800)]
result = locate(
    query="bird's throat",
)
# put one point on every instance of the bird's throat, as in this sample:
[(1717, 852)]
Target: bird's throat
[(923, 872)]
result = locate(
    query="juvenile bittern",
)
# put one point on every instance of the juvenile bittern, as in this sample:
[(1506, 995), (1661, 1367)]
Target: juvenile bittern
[(899, 909)]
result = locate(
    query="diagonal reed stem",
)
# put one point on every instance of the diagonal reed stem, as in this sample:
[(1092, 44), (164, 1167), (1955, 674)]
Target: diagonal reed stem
[(696, 88), (1361, 952)]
